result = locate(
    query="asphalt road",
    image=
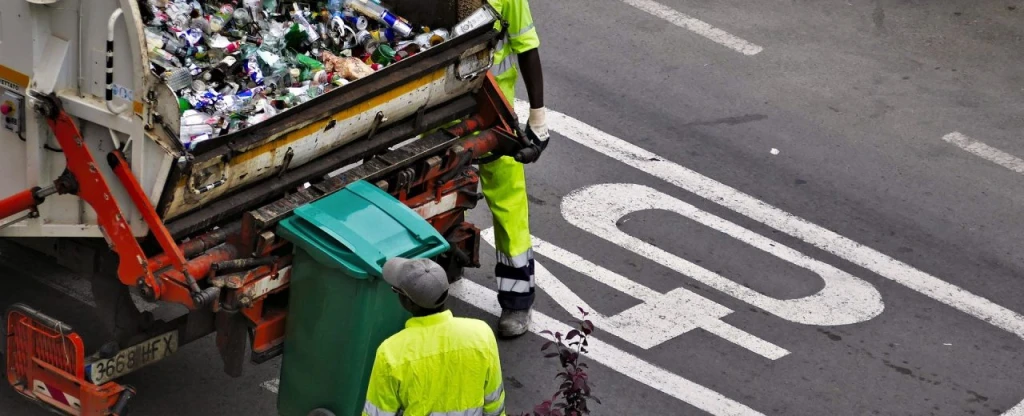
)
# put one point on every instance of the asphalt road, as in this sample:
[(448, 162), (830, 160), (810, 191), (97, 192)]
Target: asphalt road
[(829, 252)]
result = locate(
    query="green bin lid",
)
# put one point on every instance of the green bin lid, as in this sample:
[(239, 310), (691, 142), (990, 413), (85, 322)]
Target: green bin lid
[(359, 228)]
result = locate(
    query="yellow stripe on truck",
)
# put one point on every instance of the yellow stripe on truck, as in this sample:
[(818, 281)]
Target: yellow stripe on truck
[(11, 78), (340, 116)]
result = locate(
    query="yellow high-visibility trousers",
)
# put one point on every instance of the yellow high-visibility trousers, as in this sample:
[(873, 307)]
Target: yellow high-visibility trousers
[(504, 187)]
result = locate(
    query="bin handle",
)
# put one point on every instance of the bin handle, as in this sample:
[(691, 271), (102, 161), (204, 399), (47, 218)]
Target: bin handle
[(357, 245), (404, 215)]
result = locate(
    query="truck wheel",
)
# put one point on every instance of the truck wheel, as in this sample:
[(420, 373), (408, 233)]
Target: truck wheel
[(321, 412)]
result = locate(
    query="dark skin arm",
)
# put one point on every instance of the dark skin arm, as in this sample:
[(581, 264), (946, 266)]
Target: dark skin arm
[(533, 76)]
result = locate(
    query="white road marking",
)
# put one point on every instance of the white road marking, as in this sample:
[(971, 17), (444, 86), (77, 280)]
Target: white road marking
[(986, 152), (623, 362), (1017, 410), (620, 361), (658, 319), (699, 27), (783, 221), (844, 299), (271, 385), (800, 228)]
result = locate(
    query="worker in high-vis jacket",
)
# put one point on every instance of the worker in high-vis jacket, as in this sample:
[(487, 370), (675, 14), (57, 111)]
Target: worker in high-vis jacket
[(438, 364), (504, 181)]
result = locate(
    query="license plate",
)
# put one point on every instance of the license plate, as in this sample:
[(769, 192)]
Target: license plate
[(133, 358)]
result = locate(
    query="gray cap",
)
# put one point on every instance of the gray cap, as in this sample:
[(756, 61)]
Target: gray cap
[(421, 280)]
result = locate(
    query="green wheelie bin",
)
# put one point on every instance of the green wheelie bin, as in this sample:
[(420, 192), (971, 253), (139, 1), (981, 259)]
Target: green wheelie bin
[(339, 307)]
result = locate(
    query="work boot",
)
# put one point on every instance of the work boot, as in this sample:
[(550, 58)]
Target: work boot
[(513, 323)]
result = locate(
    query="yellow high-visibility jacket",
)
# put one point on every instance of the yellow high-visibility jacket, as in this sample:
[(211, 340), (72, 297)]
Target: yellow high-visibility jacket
[(438, 365)]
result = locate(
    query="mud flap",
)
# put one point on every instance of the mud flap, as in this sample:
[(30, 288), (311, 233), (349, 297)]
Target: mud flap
[(232, 339)]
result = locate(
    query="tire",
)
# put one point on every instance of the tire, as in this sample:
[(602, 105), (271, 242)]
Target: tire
[(321, 412)]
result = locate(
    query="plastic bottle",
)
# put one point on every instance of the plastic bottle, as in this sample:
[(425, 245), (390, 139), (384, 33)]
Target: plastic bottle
[(380, 14), (179, 79), (311, 32), (163, 58), (335, 5)]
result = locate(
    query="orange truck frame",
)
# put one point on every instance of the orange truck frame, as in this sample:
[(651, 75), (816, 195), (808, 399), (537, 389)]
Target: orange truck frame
[(232, 278)]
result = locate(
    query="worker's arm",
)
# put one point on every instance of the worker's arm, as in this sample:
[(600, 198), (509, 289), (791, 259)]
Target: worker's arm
[(526, 45), (533, 76), (382, 393), (494, 388)]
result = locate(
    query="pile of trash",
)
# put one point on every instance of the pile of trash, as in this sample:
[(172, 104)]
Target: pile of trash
[(236, 63)]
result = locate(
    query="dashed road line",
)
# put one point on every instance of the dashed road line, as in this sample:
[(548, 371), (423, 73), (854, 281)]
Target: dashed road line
[(697, 26), (986, 152)]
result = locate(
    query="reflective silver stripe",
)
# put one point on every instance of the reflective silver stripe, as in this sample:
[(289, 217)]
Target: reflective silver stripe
[(497, 412), (503, 66), (372, 410), (493, 397), (471, 412), (521, 260), (515, 286), (522, 32)]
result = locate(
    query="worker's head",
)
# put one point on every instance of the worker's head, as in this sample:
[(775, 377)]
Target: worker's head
[(421, 284)]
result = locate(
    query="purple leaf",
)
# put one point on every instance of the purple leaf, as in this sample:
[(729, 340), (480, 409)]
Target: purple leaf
[(546, 332), (551, 355), (572, 334), (547, 345)]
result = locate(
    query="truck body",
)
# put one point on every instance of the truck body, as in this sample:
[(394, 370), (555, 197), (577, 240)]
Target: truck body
[(101, 183)]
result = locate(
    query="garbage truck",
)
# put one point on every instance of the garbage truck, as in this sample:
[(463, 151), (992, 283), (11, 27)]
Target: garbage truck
[(94, 174)]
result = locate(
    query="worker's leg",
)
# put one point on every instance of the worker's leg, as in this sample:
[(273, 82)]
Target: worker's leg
[(504, 186)]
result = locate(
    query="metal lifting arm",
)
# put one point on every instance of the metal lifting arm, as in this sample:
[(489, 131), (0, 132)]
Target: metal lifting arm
[(82, 177)]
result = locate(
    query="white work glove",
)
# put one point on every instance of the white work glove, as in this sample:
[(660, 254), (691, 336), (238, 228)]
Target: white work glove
[(537, 129)]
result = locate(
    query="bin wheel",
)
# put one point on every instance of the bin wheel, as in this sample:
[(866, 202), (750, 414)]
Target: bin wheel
[(321, 412), (454, 273), (452, 268)]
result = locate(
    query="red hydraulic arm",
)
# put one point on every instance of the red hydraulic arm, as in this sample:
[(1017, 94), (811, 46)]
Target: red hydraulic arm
[(83, 178)]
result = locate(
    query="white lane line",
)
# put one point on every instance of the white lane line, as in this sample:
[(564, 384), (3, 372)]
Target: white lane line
[(778, 219), (1017, 410), (697, 26), (656, 320), (623, 362), (271, 385), (986, 152)]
